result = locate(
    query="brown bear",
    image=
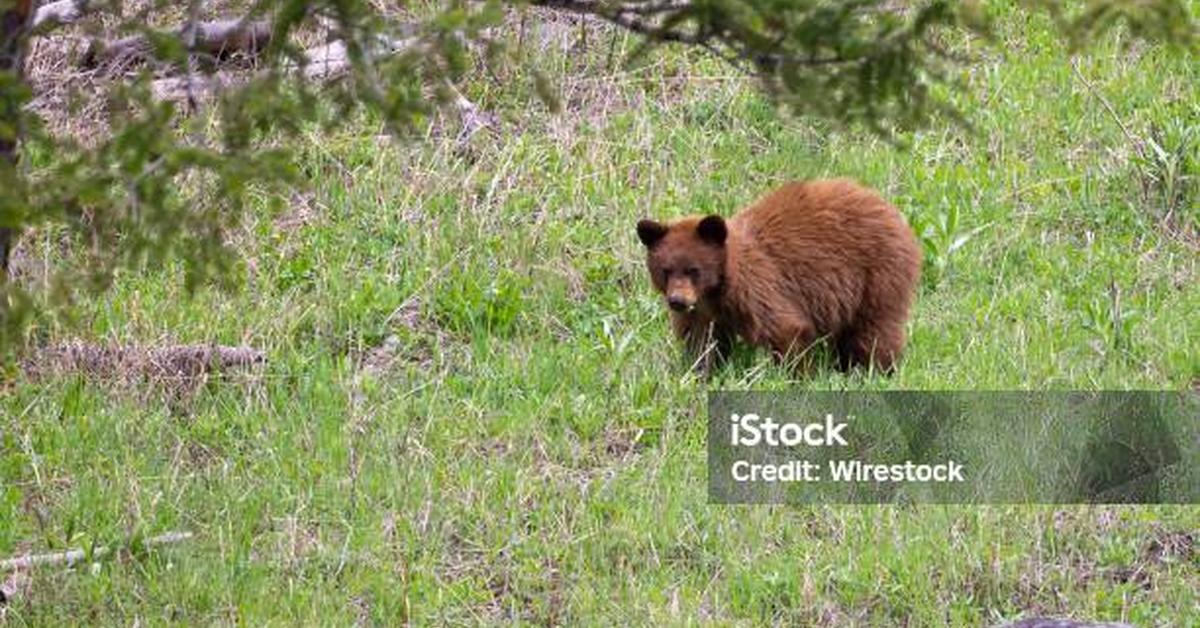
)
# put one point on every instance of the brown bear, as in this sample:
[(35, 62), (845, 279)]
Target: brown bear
[(812, 260)]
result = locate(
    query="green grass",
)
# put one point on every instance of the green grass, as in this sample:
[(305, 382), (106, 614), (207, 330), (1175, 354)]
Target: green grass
[(529, 446)]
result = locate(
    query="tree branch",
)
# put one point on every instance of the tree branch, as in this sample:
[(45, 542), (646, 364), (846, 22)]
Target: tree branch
[(70, 557), (627, 16), (14, 36), (662, 22)]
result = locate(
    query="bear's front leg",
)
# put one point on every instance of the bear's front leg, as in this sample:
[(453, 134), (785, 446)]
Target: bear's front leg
[(704, 344)]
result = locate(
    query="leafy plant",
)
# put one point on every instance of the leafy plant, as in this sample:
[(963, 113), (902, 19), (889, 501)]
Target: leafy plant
[(1111, 322), (940, 238), (1168, 166), (481, 306)]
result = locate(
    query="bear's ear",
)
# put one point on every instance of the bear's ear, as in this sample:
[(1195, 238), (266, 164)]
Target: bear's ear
[(650, 232), (712, 230)]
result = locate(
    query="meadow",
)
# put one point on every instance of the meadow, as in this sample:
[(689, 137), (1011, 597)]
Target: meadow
[(472, 410)]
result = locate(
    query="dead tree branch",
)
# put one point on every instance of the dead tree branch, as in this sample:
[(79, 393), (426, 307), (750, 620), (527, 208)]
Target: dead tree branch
[(14, 28), (474, 120), (70, 557)]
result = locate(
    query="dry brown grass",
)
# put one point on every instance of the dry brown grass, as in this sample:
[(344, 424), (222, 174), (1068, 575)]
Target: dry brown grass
[(176, 364)]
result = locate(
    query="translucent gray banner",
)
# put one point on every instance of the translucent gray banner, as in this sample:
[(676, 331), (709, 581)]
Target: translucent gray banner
[(954, 447)]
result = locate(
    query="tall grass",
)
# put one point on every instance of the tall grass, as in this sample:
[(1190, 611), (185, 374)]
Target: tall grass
[(473, 411)]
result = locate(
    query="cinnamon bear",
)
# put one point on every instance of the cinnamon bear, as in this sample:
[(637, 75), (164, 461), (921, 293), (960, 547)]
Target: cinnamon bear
[(813, 260)]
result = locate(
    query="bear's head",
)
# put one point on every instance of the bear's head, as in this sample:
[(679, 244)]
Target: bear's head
[(686, 259)]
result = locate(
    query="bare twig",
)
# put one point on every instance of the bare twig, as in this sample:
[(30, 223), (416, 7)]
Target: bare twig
[(70, 557), (473, 119), (190, 35), (1138, 143)]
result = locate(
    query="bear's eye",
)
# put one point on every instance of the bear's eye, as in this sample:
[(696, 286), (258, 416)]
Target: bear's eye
[(692, 272)]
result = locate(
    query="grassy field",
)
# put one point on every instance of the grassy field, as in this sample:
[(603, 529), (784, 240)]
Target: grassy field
[(472, 411)]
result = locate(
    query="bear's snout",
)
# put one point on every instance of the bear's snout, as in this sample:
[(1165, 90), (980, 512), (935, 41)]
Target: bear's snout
[(681, 294), (679, 303)]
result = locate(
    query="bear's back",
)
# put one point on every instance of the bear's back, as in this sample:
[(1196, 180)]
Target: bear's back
[(829, 223), (827, 247)]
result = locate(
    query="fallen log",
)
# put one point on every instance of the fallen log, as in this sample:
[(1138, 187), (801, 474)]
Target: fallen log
[(59, 13), (321, 63), (218, 39)]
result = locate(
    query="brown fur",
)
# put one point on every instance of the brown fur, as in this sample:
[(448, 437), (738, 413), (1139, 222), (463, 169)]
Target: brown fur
[(811, 260)]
